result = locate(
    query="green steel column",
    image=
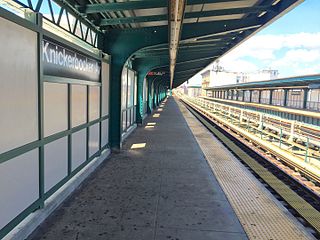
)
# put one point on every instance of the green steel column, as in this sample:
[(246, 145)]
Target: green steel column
[(259, 96), (143, 66), (158, 95), (270, 96), (115, 102), (39, 22), (149, 100), (305, 98), (121, 45), (139, 112), (285, 96)]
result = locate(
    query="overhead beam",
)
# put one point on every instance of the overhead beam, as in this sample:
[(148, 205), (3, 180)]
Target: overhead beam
[(133, 5), (207, 29), (121, 6), (185, 46), (190, 60), (182, 74), (139, 19), (181, 52), (199, 14), (189, 70), (197, 60), (176, 14), (207, 39)]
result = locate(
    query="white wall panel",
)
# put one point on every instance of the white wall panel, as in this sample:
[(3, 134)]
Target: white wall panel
[(135, 89), (128, 117), (93, 139), (19, 185), (124, 87), (105, 88), (79, 148), (55, 162), (18, 86), (55, 108), (94, 102), (79, 105), (130, 88), (132, 116), (104, 132), (124, 120)]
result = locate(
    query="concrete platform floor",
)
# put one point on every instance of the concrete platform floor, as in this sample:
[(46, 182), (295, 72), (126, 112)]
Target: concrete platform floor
[(164, 191)]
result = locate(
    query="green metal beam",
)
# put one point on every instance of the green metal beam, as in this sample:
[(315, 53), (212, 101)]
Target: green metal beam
[(187, 76), (183, 47), (122, 6), (182, 50), (163, 17), (197, 60), (201, 39), (194, 65), (139, 19), (208, 41), (213, 37), (200, 45), (189, 70), (133, 5), (207, 29)]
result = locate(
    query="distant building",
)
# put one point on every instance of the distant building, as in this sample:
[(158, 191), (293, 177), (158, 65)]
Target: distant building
[(191, 91), (194, 91), (206, 76), (218, 76)]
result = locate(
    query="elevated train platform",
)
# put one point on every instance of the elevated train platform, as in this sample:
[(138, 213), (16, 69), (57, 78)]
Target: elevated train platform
[(295, 98), (173, 180), (92, 147)]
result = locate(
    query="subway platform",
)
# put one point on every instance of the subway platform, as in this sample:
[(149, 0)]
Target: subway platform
[(163, 188), (166, 184)]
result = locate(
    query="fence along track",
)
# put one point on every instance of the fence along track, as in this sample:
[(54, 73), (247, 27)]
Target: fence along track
[(313, 173)]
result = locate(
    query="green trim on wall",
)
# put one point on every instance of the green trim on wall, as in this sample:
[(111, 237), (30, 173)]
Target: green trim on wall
[(54, 79), (6, 156), (35, 24)]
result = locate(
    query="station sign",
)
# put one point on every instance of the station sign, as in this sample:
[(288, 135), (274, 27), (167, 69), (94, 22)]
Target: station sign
[(156, 73), (61, 61)]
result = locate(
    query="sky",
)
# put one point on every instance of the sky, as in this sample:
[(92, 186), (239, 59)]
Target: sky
[(290, 45)]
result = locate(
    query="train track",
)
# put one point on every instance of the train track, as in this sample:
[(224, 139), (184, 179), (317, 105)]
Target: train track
[(268, 167), (307, 165)]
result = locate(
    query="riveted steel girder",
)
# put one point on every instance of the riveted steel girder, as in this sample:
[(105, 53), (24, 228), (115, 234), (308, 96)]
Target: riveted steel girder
[(133, 5), (199, 14)]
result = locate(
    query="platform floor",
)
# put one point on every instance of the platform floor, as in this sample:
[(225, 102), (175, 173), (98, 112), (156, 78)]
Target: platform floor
[(163, 190)]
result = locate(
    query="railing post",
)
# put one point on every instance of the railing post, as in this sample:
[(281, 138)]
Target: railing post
[(280, 142), (292, 131), (260, 121), (307, 148)]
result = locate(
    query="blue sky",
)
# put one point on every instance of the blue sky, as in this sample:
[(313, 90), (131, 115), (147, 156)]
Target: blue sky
[(291, 45), (305, 17)]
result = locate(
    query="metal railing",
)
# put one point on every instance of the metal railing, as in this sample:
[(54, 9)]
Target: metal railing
[(301, 139)]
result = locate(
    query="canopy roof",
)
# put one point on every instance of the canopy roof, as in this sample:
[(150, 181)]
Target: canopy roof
[(195, 32), (312, 81)]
